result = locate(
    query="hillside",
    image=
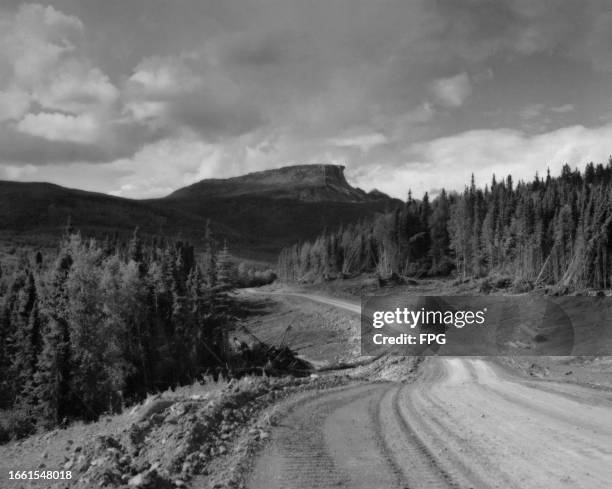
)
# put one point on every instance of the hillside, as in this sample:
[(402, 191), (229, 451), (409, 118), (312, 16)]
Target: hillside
[(274, 208), (258, 213), (35, 213)]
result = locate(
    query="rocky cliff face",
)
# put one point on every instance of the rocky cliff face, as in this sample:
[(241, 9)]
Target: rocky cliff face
[(310, 183)]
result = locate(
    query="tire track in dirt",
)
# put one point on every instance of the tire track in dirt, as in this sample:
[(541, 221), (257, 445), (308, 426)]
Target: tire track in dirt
[(465, 423), (358, 438), (406, 450), (462, 425), (326, 443)]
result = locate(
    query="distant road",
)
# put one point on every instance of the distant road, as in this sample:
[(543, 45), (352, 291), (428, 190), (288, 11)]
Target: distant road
[(347, 305), (465, 423)]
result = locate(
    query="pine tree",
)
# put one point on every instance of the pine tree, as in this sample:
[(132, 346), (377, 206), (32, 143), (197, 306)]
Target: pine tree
[(226, 270)]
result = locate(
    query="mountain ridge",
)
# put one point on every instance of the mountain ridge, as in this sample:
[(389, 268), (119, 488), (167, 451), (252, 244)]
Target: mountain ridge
[(258, 213), (316, 182)]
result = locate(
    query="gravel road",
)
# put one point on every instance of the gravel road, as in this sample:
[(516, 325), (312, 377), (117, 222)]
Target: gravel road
[(466, 423)]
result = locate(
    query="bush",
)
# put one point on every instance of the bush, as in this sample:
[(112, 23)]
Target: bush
[(15, 424), (249, 277), (522, 285), (502, 282)]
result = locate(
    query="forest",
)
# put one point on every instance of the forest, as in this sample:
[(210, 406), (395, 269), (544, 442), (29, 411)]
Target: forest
[(552, 230), (97, 325)]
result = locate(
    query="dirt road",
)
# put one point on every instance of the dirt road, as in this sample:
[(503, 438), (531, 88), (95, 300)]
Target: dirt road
[(351, 306), (466, 423)]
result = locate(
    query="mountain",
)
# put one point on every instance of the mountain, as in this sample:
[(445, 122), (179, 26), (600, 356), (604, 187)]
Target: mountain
[(306, 183), (275, 208), (258, 213), (35, 213)]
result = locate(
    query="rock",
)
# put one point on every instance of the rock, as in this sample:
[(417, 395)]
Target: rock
[(82, 463), (138, 480), (154, 407)]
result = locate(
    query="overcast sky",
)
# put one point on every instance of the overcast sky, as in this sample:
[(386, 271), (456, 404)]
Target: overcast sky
[(140, 97)]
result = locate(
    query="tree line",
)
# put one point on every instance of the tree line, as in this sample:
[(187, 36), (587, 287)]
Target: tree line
[(552, 230), (99, 324)]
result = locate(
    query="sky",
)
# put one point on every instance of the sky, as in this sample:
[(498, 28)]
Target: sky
[(140, 97)]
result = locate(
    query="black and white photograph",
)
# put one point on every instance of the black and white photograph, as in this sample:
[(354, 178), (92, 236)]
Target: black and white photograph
[(305, 244)]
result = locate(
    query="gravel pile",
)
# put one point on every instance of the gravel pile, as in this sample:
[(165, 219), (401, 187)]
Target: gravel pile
[(173, 441)]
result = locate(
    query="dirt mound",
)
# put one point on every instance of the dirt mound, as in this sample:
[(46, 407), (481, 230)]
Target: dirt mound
[(390, 368), (173, 440)]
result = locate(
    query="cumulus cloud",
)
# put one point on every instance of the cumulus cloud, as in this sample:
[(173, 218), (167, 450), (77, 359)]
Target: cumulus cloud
[(450, 161), (35, 38), (79, 89), (452, 91), (177, 93), (50, 91), (148, 174), (60, 127)]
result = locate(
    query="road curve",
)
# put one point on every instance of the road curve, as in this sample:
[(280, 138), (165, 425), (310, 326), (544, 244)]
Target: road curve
[(466, 423)]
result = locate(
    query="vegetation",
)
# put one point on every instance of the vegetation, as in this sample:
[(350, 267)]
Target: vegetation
[(99, 324), (258, 214), (554, 230)]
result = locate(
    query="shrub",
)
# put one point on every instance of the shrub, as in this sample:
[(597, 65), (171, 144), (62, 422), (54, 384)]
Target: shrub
[(249, 277), (15, 424), (522, 285)]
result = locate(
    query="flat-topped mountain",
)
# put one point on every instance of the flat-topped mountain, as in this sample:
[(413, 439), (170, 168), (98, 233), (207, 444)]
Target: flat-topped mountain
[(308, 183), (258, 213)]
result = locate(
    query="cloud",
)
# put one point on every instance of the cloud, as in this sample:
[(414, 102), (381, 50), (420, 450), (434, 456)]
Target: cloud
[(163, 77), (364, 142), (450, 161), (23, 148), (56, 105), (36, 38), (531, 111), (13, 172), (452, 92), (14, 103), (149, 174), (178, 93), (563, 109), (60, 127), (79, 89)]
